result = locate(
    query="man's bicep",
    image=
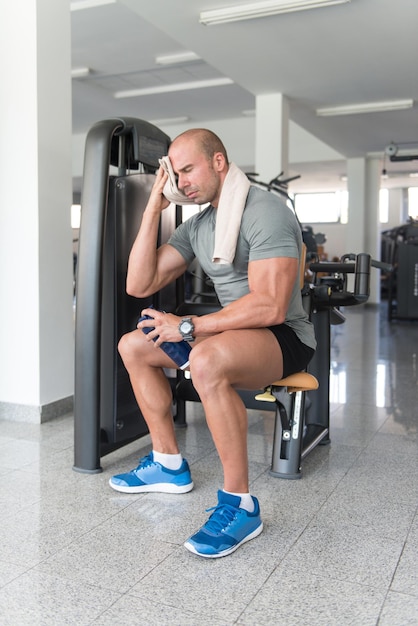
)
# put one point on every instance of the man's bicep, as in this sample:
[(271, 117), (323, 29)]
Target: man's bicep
[(275, 276), (170, 263)]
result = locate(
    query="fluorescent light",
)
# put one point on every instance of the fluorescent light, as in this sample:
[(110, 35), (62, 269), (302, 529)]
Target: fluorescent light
[(80, 5), (166, 121), (366, 107), (179, 57), (80, 72), (197, 84), (261, 9)]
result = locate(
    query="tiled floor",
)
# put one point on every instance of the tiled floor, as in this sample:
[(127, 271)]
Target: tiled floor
[(339, 546)]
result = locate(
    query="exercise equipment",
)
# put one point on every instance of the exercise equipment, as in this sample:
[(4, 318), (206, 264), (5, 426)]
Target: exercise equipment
[(106, 414), (310, 426), (400, 251), (299, 425), (289, 396)]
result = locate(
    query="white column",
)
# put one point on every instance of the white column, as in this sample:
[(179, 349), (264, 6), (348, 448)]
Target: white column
[(363, 214), (395, 209), (356, 187), (271, 136), (36, 319), (373, 246)]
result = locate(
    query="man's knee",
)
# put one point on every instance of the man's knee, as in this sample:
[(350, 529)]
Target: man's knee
[(207, 365), (129, 345), (123, 345)]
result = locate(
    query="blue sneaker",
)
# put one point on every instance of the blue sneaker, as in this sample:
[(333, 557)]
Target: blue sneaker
[(152, 476), (227, 528)]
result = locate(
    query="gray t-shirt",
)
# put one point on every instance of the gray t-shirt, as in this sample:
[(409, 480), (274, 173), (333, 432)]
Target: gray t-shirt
[(268, 230)]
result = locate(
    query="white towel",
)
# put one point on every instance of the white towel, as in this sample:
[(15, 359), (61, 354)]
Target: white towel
[(229, 214), (170, 191)]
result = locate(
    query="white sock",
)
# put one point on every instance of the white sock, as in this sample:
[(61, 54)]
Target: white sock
[(246, 503), (170, 461)]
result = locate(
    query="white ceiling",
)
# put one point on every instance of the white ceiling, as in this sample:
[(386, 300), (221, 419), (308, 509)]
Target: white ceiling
[(363, 51)]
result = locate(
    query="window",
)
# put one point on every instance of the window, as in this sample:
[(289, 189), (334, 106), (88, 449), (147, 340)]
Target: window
[(413, 202), (384, 206), (75, 215), (191, 209), (322, 207)]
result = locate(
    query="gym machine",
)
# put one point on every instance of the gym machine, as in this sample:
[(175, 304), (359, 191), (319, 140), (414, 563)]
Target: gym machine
[(301, 417), (400, 250), (106, 414), (323, 299)]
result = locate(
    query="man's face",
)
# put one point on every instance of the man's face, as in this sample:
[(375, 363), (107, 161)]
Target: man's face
[(198, 177)]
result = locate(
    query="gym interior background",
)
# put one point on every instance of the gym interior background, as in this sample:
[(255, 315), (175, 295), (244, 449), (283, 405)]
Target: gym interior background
[(340, 543)]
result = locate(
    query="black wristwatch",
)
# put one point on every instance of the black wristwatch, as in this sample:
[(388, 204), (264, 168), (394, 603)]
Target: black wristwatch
[(186, 328)]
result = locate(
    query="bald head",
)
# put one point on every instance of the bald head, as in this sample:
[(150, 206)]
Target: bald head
[(204, 140)]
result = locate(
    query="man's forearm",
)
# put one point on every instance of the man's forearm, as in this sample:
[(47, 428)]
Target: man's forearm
[(142, 264), (250, 311)]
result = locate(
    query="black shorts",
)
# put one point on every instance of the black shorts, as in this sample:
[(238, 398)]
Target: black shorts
[(296, 355)]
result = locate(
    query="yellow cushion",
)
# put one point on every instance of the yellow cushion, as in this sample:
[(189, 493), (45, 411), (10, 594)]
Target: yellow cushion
[(302, 381)]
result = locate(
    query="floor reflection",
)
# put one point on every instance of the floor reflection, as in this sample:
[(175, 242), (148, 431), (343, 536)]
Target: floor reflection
[(374, 362)]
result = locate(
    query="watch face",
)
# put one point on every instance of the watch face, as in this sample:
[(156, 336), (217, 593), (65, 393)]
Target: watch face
[(186, 327)]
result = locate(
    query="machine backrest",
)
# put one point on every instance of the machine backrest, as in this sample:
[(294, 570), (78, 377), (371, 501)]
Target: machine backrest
[(302, 266)]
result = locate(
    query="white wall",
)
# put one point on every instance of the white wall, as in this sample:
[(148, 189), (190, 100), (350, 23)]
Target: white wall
[(36, 320)]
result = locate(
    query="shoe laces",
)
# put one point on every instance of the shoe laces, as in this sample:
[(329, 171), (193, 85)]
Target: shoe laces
[(222, 516), (145, 461)]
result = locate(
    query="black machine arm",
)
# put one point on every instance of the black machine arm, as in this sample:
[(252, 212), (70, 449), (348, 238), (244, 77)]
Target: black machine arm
[(337, 294)]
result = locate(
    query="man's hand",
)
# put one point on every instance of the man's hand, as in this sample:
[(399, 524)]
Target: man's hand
[(157, 202), (166, 326)]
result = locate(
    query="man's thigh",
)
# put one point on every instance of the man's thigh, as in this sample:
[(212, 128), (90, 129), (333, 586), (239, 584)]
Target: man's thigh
[(249, 359)]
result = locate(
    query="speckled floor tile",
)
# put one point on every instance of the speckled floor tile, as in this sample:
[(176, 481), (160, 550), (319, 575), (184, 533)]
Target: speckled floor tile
[(406, 576), (292, 597), (9, 571), (36, 599), (114, 555), (346, 553), (131, 610), (219, 588), (399, 610)]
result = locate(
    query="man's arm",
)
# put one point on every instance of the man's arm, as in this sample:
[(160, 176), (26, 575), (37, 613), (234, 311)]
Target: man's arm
[(271, 283), (149, 268)]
